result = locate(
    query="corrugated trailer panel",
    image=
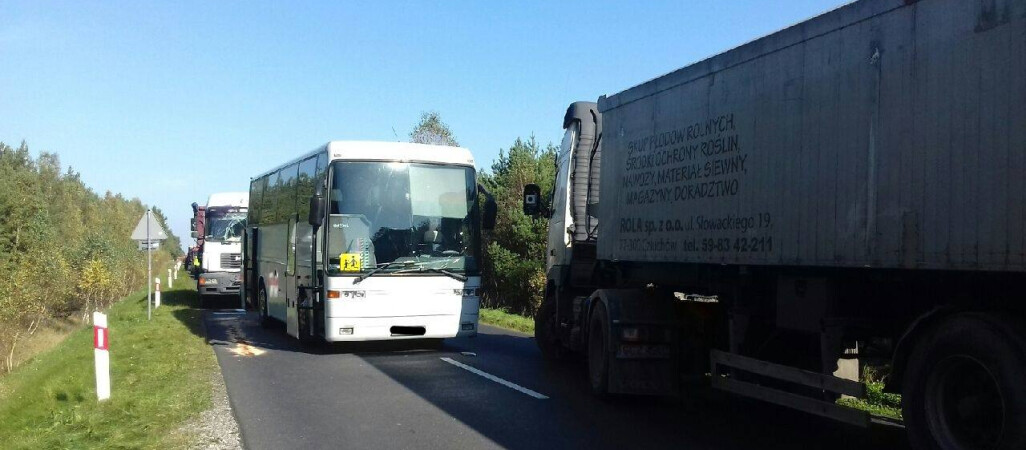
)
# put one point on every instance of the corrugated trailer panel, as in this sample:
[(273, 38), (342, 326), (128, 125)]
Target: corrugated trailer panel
[(882, 134)]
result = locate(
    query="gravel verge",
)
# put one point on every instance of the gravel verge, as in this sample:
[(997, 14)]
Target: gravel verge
[(216, 428)]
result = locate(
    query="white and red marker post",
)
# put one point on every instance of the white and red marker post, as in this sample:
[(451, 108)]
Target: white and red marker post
[(169, 278), (101, 352), (156, 293)]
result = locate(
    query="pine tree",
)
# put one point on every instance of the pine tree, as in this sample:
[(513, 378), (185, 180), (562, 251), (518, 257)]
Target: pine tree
[(431, 130)]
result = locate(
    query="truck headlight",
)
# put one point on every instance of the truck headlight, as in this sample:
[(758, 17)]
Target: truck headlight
[(470, 292), (208, 281)]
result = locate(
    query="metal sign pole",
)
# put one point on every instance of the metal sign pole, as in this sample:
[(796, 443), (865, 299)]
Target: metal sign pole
[(146, 234), (149, 267)]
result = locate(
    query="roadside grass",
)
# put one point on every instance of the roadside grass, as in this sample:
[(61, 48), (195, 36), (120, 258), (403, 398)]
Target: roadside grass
[(877, 402), (160, 377), (47, 336), (502, 319)]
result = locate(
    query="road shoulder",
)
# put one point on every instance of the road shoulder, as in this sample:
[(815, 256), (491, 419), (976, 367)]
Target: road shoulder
[(215, 428)]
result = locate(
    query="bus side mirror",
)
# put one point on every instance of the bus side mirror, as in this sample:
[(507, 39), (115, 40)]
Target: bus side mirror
[(490, 211), (532, 200), (316, 217)]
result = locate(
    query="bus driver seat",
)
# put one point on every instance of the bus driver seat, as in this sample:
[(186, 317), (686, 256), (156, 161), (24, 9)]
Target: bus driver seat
[(432, 238)]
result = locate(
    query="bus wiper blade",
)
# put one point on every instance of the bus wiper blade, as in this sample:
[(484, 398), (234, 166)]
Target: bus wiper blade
[(436, 270), (450, 274), (380, 268)]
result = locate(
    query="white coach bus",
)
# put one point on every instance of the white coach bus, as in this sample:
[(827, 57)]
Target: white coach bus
[(361, 241)]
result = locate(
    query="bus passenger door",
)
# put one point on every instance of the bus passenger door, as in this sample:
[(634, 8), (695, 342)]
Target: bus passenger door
[(291, 313)]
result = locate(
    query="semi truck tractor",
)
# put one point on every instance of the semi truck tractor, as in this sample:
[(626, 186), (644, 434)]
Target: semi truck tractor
[(847, 191), (220, 254)]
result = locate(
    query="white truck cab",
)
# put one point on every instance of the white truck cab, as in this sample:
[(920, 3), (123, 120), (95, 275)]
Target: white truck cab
[(222, 247)]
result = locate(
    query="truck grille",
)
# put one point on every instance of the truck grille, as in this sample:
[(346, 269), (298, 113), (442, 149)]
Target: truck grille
[(231, 260)]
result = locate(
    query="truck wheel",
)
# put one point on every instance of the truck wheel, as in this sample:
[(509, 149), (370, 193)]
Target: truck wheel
[(546, 329), (265, 318), (598, 356), (963, 386)]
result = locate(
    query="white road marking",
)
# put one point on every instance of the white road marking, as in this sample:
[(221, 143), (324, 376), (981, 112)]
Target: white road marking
[(511, 385)]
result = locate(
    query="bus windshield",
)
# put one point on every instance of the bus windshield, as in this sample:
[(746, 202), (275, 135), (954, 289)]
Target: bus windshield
[(225, 225), (416, 216)]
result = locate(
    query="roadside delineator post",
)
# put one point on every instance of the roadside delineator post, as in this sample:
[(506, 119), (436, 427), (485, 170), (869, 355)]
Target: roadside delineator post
[(169, 278), (156, 293), (177, 268), (101, 346)]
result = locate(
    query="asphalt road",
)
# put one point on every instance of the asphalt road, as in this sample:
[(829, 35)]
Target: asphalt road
[(485, 392)]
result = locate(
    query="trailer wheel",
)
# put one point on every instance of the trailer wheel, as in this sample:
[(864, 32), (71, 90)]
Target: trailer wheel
[(546, 329), (598, 356), (963, 386), (265, 318)]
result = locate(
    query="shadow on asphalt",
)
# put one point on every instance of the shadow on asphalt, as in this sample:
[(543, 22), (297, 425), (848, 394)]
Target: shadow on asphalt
[(703, 418), (572, 417)]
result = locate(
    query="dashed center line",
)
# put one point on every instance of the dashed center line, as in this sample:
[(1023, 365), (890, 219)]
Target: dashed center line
[(509, 384)]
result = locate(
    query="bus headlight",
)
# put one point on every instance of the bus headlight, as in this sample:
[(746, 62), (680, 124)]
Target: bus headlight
[(354, 294)]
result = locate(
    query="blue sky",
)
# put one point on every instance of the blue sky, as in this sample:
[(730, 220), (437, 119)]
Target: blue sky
[(171, 101)]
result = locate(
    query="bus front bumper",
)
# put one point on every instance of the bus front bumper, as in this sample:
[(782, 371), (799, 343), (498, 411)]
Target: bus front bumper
[(340, 329)]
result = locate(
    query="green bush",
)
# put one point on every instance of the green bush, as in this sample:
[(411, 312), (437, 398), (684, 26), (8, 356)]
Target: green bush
[(514, 266)]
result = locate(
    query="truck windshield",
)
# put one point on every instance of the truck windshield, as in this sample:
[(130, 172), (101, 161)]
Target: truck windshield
[(225, 225), (416, 215)]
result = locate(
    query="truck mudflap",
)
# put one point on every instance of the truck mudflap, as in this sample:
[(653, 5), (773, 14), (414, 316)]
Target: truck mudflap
[(726, 366), (642, 352), (643, 376)]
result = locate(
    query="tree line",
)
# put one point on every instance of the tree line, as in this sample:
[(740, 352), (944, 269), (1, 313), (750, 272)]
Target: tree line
[(64, 249)]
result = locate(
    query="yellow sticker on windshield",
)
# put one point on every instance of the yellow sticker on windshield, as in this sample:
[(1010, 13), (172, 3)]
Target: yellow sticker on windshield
[(349, 262)]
